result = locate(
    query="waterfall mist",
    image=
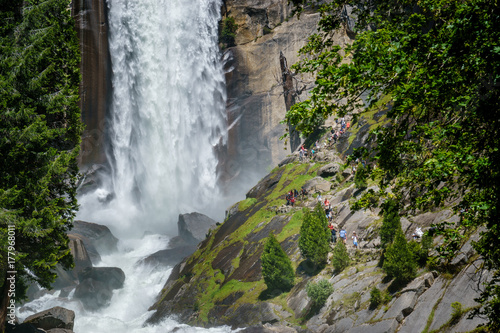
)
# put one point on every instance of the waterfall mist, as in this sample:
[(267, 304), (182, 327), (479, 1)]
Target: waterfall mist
[(167, 116)]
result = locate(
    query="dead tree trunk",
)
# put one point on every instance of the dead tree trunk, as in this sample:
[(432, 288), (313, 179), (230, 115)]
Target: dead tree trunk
[(289, 93)]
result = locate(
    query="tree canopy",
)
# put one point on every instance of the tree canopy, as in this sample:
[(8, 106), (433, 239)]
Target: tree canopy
[(439, 63), (314, 240), (40, 132), (277, 268)]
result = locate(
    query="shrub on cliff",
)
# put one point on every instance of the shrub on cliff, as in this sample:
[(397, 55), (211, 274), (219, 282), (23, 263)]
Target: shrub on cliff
[(277, 268), (319, 292), (228, 31), (340, 258), (314, 241)]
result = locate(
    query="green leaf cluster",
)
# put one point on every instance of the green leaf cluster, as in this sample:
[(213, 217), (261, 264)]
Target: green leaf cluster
[(319, 292), (40, 132), (228, 31), (314, 240), (440, 63), (277, 268)]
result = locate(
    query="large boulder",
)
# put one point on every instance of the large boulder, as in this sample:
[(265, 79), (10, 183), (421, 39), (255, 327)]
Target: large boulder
[(97, 284), (328, 170), (68, 278), (317, 184), (93, 294), (194, 227), (56, 317), (113, 277), (97, 239)]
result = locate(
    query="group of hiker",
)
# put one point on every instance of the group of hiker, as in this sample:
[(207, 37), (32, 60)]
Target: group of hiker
[(304, 153), (292, 196), (342, 235), (337, 133)]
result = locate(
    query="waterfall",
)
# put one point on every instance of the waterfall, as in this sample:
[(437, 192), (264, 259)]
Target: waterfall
[(167, 117), (167, 113)]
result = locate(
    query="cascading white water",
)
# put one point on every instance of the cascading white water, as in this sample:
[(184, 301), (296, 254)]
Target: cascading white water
[(168, 114)]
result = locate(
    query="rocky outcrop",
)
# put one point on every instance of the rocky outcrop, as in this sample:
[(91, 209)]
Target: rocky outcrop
[(194, 227), (97, 239), (95, 87), (53, 318), (69, 278)]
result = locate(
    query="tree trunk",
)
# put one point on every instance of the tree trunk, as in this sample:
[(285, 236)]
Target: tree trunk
[(289, 93)]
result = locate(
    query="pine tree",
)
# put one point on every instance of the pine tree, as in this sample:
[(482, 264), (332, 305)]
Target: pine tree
[(400, 262), (277, 268), (390, 223), (314, 241), (40, 132), (340, 258)]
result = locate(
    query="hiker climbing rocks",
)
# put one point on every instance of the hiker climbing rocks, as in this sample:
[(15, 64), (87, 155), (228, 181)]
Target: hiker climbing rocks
[(343, 235), (354, 239)]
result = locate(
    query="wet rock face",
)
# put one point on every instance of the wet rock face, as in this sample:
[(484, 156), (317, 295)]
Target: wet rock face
[(92, 28)]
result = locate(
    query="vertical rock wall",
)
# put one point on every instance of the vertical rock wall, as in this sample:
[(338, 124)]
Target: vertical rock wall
[(256, 101), (256, 104), (92, 28)]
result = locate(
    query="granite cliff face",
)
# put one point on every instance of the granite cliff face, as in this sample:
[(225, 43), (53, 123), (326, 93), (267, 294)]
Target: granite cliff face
[(255, 87), (92, 29), (256, 102)]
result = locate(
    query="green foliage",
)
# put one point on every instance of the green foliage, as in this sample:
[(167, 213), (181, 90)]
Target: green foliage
[(319, 292), (39, 135), (457, 311), (361, 176), (440, 63), (391, 222), (340, 257), (228, 31), (421, 250), (277, 268), (375, 297), (314, 241), (399, 262)]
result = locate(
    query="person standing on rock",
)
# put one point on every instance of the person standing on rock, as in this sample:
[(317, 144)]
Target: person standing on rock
[(354, 239), (343, 235), (333, 231)]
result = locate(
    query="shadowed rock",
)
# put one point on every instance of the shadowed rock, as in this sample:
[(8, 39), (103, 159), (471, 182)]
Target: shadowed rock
[(97, 284), (56, 317)]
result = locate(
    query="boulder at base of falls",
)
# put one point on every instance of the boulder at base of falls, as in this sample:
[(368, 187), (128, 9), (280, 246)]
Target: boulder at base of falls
[(56, 317), (97, 239), (97, 284), (193, 227), (69, 278)]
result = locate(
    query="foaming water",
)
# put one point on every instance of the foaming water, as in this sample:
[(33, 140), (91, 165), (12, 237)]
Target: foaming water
[(128, 309), (168, 115)]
